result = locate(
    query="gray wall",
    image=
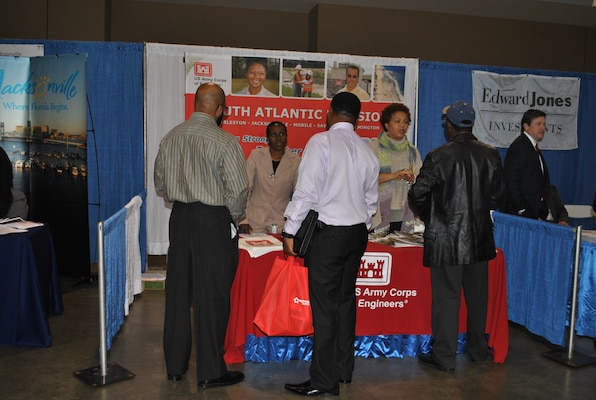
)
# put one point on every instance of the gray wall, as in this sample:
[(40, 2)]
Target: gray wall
[(374, 32)]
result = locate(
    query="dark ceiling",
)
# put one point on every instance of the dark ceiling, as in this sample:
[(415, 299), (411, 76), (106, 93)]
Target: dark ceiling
[(567, 12)]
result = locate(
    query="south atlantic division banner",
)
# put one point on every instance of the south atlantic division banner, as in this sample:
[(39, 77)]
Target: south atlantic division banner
[(296, 89)]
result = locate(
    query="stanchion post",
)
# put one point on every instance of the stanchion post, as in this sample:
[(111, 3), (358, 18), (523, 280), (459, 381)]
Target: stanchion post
[(103, 374), (571, 357), (102, 301)]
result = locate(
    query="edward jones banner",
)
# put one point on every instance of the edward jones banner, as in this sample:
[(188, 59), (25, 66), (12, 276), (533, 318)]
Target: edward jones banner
[(501, 100), (297, 88)]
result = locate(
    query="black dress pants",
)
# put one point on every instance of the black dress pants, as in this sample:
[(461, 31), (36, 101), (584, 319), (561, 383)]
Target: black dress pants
[(447, 282), (333, 261), (202, 262)]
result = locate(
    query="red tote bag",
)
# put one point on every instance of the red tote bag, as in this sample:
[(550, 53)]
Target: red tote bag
[(285, 307)]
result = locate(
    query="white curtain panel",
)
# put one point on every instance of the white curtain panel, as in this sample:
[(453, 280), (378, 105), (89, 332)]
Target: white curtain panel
[(133, 251), (164, 109)]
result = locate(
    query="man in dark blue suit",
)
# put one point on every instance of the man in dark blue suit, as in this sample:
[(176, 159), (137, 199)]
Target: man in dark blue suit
[(526, 174)]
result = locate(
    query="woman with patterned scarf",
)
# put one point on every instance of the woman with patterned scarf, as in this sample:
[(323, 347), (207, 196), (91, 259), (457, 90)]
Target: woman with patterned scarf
[(400, 161)]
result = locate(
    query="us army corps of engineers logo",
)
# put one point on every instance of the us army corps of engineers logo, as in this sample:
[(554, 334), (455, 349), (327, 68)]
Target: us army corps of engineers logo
[(375, 269)]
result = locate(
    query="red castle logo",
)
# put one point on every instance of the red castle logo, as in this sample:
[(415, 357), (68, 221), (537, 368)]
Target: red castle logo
[(375, 269), (203, 69)]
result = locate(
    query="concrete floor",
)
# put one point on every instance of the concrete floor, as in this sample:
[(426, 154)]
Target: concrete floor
[(47, 373)]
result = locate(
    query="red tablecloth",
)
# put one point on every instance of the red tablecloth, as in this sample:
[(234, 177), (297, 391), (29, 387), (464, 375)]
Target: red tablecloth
[(393, 297)]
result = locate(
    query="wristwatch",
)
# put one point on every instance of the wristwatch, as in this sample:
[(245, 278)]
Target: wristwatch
[(285, 234)]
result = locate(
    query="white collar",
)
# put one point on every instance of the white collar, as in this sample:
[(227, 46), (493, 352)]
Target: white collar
[(534, 142)]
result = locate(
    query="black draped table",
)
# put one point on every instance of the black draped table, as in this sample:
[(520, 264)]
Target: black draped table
[(29, 287)]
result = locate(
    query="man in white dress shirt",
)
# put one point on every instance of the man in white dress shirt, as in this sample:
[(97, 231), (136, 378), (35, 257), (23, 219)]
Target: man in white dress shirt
[(338, 178)]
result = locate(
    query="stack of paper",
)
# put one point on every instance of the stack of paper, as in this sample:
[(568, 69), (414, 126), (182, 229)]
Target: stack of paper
[(399, 239), (258, 244), (16, 225)]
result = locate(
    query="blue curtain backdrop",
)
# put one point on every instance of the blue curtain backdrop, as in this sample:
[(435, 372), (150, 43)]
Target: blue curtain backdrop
[(115, 126), (572, 171)]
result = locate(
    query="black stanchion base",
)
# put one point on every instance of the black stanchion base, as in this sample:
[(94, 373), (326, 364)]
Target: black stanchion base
[(92, 376), (577, 359)]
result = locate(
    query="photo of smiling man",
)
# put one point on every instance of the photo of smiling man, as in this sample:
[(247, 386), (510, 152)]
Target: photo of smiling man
[(353, 83)]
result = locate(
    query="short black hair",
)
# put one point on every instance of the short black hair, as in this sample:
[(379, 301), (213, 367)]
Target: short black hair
[(252, 61), (346, 103), (530, 116)]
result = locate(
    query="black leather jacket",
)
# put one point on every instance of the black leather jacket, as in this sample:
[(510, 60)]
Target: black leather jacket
[(458, 185)]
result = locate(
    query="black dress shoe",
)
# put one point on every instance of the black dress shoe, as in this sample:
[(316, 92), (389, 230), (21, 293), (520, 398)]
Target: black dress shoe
[(307, 389), (291, 386), (484, 360), (230, 378), (174, 378), (429, 360)]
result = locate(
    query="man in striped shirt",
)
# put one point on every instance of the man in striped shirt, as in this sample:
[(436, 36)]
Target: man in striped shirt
[(200, 168)]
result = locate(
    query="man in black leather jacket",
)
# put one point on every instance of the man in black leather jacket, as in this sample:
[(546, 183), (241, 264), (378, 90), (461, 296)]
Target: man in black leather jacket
[(458, 185)]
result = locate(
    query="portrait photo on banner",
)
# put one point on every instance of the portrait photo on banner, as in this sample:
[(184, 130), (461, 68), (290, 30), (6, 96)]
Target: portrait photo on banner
[(349, 77), (255, 76), (303, 78)]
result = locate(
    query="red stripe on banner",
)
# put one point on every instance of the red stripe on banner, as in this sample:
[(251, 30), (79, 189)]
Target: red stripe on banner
[(247, 118)]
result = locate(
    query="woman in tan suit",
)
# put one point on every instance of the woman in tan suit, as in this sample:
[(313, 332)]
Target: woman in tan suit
[(272, 174)]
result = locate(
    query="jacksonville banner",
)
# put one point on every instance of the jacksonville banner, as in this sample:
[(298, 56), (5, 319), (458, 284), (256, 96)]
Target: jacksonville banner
[(43, 129), (297, 88), (501, 100)]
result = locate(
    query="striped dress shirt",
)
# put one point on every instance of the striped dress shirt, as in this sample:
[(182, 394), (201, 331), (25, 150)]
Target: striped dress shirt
[(199, 161)]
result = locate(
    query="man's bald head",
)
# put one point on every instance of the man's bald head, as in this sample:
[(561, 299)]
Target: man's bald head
[(210, 99)]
